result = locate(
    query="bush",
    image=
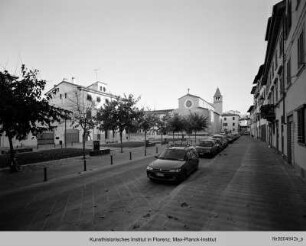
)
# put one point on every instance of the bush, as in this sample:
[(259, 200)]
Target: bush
[(43, 155)]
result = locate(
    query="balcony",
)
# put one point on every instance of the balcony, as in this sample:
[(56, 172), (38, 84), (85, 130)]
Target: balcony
[(267, 112)]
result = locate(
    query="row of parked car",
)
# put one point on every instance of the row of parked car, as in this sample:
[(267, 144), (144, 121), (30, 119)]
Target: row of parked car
[(212, 145), (176, 163)]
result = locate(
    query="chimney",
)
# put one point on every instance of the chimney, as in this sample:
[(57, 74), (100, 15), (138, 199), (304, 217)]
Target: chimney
[(72, 80)]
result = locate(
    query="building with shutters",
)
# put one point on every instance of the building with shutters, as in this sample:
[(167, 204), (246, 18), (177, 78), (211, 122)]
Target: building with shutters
[(74, 97), (230, 122), (278, 114), (70, 96)]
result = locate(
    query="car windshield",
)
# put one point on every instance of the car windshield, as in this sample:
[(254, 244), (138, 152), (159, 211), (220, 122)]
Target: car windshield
[(206, 144), (173, 154)]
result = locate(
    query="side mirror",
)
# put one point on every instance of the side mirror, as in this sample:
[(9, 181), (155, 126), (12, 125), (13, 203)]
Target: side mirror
[(156, 156)]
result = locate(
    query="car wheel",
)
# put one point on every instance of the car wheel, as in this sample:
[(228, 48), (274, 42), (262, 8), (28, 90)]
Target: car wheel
[(184, 176)]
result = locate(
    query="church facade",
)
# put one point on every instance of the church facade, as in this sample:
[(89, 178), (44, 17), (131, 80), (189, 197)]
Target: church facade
[(189, 103)]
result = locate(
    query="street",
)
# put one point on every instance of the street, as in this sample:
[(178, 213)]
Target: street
[(247, 187)]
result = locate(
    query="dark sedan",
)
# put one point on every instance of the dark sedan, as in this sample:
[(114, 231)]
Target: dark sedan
[(174, 164), (207, 147)]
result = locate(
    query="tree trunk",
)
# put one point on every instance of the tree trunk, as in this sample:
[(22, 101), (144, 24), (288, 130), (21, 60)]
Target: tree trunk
[(195, 137), (121, 145), (84, 134), (14, 167), (145, 142), (173, 137)]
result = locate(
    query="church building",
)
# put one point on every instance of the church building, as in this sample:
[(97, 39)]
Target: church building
[(194, 104)]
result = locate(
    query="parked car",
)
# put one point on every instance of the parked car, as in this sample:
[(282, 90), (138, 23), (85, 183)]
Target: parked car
[(207, 147), (174, 164), (224, 141), (230, 138)]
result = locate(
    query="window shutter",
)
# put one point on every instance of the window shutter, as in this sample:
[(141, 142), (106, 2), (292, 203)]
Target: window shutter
[(301, 125)]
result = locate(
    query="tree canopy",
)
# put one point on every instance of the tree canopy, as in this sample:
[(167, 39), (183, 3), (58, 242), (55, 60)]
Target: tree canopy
[(119, 114), (23, 109)]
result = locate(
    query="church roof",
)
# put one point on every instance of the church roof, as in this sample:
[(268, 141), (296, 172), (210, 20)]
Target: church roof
[(190, 96), (218, 93)]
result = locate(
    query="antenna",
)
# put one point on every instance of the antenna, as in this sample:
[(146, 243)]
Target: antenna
[(96, 72)]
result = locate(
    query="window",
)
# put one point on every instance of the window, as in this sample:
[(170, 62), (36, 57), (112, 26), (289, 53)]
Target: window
[(224, 118), (106, 101), (98, 99), (61, 96), (281, 84), (224, 124), (301, 59), (233, 124), (289, 72), (89, 98), (104, 89), (301, 124), (65, 95), (100, 88), (233, 118)]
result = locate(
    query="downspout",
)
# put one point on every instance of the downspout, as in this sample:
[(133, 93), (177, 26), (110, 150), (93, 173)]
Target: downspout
[(283, 75)]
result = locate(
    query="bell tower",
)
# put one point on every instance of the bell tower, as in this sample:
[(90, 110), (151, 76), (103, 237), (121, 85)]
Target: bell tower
[(218, 102)]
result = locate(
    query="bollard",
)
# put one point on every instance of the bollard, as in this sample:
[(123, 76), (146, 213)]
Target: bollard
[(111, 160), (85, 165), (156, 149), (130, 155), (45, 174)]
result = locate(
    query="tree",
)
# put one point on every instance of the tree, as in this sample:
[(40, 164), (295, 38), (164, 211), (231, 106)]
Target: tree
[(147, 122), (161, 125), (196, 123), (23, 109), (187, 126), (82, 114), (107, 116), (122, 112), (175, 124)]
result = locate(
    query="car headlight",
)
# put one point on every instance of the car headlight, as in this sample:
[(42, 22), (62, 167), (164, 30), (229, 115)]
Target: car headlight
[(177, 170), (149, 168)]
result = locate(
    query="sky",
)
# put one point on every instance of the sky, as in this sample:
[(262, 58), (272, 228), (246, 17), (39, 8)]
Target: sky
[(155, 49)]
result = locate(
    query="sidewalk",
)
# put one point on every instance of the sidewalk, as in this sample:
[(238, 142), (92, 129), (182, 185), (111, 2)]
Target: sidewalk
[(34, 174)]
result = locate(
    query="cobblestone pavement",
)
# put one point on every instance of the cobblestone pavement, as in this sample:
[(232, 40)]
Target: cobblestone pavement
[(247, 187)]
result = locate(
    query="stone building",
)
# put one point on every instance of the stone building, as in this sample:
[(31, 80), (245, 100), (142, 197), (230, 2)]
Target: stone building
[(278, 115)]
